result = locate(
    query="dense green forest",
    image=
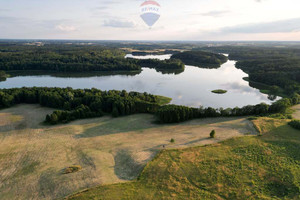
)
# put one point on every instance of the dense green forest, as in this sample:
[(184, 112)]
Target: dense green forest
[(276, 67), (153, 52), (171, 65), (201, 59), (74, 58), (3, 76), (78, 104), (69, 58), (88, 103), (175, 113)]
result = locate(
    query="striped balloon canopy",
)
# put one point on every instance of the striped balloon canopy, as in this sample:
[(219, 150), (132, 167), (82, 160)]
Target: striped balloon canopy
[(150, 12)]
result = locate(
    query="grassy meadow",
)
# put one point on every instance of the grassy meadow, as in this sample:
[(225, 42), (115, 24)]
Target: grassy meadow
[(34, 157), (256, 167)]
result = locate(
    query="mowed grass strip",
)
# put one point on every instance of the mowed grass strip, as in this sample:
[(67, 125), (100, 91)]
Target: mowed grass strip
[(252, 167)]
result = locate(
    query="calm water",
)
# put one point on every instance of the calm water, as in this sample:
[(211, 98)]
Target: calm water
[(192, 87)]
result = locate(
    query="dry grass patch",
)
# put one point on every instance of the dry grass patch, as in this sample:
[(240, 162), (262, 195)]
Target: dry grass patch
[(9, 118), (240, 168), (296, 113), (265, 124), (109, 150)]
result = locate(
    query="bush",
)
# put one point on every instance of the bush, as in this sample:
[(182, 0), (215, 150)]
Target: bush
[(212, 134), (295, 124), (72, 169), (172, 140)]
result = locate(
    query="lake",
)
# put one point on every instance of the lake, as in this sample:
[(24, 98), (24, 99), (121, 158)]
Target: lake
[(191, 88)]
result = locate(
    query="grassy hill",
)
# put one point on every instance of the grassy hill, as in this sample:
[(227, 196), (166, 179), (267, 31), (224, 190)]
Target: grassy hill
[(34, 158), (252, 167)]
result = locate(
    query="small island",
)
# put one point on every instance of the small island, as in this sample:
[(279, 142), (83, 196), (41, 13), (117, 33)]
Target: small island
[(219, 91)]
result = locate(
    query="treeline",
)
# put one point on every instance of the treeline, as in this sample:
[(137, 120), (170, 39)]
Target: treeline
[(78, 104), (169, 65), (89, 103), (175, 113), (74, 58), (269, 65), (145, 53), (64, 58), (201, 58), (2, 76)]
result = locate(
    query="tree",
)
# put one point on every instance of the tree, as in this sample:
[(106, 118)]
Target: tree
[(115, 112), (212, 134), (53, 118), (280, 105)]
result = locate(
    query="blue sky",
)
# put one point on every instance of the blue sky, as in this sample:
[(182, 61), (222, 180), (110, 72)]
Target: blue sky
[(180, 20)]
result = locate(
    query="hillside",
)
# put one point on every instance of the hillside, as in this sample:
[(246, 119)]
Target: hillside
[(33, 156), (266, 167)]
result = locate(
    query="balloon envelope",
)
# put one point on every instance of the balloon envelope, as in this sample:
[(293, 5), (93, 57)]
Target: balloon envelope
[(150, 12)]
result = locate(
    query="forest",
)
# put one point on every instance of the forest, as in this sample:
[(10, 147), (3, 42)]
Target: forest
[(89, 103), (171, 65), (201, 59), (74, 58), (3, 76), (276, 67), (79, 104), (176, 113)]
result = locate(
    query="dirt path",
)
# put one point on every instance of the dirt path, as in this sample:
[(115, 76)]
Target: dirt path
[(296, 114), (110, 150)]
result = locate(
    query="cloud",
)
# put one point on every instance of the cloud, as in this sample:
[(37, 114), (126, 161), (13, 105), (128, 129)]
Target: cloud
[(4, 10), (101, 8), (118, 23), (65, 28), (110, 2), (282, 26), (218, 13), (8, 19)]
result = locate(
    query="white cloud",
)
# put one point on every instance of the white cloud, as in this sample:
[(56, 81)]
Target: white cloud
[(289, 25), (116, 19), (118, 23), (216, 13), (65, 28)]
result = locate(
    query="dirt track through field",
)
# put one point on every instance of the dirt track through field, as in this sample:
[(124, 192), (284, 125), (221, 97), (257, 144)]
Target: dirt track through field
[(110, 150), (296, 114)]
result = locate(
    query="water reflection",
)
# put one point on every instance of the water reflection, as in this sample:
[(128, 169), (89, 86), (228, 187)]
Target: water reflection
[(192, 87), (159, 57)]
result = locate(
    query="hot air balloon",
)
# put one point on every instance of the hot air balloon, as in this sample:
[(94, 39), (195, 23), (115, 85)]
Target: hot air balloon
[(150, 12)]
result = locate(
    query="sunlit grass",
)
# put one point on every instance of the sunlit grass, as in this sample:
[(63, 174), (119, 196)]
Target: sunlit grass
[(251, 167)]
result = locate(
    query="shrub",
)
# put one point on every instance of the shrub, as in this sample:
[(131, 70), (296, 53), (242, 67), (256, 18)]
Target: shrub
[(212, 134), (172, 140), (72, 169), (295, 124)]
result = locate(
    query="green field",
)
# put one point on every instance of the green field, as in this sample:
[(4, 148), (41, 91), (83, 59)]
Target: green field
[(163, 100), (253, 167), (34, 157)]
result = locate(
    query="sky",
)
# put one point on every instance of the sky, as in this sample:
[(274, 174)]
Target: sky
[(203, 20)]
